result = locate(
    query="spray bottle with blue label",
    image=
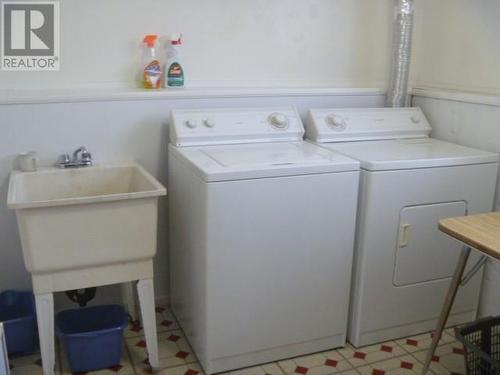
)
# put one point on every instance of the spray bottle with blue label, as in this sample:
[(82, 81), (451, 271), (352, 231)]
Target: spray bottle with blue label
[(174, 68), (151, 68)]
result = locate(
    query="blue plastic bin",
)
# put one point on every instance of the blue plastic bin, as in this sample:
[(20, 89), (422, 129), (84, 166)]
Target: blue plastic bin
[(17, 312), (92, 336)]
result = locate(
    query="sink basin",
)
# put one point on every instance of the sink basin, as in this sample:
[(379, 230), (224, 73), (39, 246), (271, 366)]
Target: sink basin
[(86, 225), (55, 187)]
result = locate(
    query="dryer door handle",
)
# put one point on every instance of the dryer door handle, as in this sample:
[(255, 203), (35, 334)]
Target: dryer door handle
[(404, 230)]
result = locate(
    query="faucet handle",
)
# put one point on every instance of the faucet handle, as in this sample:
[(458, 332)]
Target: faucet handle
[(86, 157), (64, 159), (85, 160)]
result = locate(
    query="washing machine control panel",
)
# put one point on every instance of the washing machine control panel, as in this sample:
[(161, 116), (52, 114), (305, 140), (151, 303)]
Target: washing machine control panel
[(224, 126), (355, 124)]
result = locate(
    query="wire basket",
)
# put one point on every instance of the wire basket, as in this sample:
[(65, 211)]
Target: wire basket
[(481, 340)]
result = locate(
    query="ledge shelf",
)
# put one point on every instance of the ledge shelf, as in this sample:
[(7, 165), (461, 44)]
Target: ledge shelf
[(108, 94)]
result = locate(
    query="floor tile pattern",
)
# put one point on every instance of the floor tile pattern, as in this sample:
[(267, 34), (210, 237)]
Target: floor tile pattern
[(399, 357)]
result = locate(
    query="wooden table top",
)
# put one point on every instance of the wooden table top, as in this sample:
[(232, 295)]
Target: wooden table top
[(482, 232)]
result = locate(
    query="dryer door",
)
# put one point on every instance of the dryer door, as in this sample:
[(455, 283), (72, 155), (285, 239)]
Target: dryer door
[(423, 253)]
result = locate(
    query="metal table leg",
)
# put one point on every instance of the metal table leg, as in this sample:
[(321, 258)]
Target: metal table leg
[(448, 303)]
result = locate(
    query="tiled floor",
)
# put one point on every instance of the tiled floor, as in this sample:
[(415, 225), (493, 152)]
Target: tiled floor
[(398, 357)]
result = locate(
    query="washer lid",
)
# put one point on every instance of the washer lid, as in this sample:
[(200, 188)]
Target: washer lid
[(411, 153), (247, 161)]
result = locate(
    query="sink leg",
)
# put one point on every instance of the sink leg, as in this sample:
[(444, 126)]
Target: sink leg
[(45, 318), (128, 297), (145, 289)]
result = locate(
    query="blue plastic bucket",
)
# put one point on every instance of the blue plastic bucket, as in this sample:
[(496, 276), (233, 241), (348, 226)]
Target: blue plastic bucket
[(92, 336), (17, 312)]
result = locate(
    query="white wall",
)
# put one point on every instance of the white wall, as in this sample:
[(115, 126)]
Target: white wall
[(458, 45), (337, 43), (113, 131)]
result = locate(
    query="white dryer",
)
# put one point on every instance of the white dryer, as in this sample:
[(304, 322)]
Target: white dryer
[(261, 236), (403, 264)]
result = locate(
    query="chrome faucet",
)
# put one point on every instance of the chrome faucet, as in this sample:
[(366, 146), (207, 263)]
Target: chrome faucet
[(85, 159)]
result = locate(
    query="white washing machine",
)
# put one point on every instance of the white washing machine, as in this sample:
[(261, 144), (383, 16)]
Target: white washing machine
[(402, 263), (261, 236)]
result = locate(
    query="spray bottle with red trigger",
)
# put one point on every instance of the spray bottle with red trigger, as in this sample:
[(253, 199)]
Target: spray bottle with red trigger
[(174, 67)]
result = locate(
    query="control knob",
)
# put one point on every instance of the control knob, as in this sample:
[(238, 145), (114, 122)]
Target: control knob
[(278, 120), (191, 124), (335, 122), (415, 119), (209, 123)]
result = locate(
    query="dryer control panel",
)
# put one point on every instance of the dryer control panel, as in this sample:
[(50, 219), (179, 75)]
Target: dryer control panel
[(358, 124), (226, 126)]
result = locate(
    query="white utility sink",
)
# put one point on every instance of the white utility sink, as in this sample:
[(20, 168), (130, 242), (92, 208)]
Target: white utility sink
[(87, 227), (85, 217)]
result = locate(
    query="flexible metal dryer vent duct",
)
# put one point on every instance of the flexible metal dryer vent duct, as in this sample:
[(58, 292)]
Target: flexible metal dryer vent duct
[(401, 51)]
